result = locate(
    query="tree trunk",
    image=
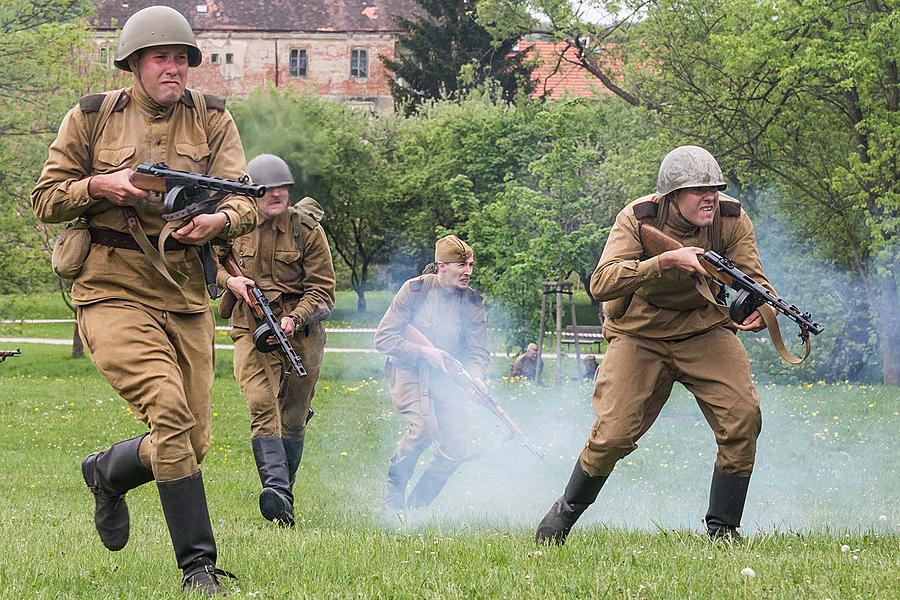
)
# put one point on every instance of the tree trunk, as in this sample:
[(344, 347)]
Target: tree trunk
[(888, 328), (77, 344), (361, 300)]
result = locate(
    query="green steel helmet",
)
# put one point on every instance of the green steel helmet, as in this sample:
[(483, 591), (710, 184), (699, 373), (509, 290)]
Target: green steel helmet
[(156, 26), (688, 166), (270, 171)]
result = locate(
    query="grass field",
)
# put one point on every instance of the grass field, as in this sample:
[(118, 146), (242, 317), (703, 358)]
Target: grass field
[(822, 516)]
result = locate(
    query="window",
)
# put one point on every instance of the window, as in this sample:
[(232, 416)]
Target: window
[(229, 58), (104, 56), (359, 63), (214, 59), (298, 62)]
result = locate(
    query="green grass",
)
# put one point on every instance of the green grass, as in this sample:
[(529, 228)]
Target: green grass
[(827, 477)]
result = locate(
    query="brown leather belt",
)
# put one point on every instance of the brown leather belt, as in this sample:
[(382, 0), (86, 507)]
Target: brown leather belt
[(117, 239)]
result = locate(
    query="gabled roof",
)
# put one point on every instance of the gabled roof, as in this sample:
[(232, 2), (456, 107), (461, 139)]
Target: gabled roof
[(369, 16)]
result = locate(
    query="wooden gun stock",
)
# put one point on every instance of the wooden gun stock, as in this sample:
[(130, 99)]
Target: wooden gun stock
[(149, 183)]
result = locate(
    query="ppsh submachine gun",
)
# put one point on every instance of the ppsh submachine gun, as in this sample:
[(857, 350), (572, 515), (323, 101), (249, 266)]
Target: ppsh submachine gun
[(269, 336), (187, 195), (751, 295), (477, 390), (4, 354)]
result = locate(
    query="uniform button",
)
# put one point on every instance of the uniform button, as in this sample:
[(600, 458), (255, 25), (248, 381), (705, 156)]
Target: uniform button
[(241, 252), (241, 262)]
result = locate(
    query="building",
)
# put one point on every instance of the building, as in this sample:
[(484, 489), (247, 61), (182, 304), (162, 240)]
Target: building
[(558, 74), (327, 48)]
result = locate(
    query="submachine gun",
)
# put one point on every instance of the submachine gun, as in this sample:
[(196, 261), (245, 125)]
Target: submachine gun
[(478, 390), (4, 354), (186, 196), (750, 296), (271, 328)]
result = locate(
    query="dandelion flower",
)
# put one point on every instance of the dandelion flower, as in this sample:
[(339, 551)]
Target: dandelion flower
[(748, 572), (845, 548)]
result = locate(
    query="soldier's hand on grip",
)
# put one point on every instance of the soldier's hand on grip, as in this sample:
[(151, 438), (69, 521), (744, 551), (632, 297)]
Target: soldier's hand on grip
[(754, 322), (116, 187), (435, 358), (684, 259), (200, 229), (240, 287)]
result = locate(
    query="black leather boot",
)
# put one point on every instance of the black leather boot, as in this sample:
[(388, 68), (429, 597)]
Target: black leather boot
[(727, 496), (109, 475), (276, 501), (293, 451), (187, 516), (581, 492)]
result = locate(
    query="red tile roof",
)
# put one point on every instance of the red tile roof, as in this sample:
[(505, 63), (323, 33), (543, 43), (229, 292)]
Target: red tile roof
[(556, 75), (369, 16)]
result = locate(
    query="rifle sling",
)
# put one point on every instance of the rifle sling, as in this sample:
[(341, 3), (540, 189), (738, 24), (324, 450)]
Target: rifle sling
[(171, 274)]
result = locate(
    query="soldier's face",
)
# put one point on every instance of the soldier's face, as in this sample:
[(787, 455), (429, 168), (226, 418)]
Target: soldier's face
[(698, 204), (274, 203), (162, 71), (455, 274)]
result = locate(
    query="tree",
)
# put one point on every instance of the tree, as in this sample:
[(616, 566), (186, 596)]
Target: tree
[(445, 51), (341, 159), (801, 95)]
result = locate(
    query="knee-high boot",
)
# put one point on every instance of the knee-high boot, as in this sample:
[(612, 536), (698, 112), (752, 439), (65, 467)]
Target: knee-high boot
[(187, 517), (581, 492), (276, 501), (727, 495), (109, 475)]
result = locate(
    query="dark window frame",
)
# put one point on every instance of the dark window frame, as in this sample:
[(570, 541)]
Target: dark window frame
[(298, 66), (357, 70)]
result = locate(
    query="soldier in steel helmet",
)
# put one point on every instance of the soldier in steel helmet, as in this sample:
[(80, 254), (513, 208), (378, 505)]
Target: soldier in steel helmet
[(150, 338), (660, 326), (288, 258), (451, 316)]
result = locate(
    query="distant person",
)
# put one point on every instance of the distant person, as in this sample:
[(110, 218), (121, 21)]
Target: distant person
[(149, 337), (451, 315), (661, 329), (590, 367), (287, 257), (526, 364)]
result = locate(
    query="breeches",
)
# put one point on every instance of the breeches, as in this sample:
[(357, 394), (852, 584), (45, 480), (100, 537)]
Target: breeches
[(162, 364), (636, 378), (278, 409), (438, 416)]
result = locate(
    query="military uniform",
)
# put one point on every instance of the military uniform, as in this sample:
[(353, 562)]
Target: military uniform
[(661, 329), (432, 402), (526, 366), (150, 339), (289, 260)]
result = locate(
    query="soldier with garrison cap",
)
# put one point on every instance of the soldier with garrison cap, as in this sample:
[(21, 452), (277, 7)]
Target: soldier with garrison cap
[(150, 338), (661, 329), (288, 259), (443, 307)]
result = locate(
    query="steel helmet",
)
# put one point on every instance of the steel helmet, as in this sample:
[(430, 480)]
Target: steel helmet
[(688, 166), (270, 171), (156, 26)]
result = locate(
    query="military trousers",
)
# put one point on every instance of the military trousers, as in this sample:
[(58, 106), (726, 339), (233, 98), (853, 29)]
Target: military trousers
[(636, 378), (436, 414), (278, 408), (162, 364)]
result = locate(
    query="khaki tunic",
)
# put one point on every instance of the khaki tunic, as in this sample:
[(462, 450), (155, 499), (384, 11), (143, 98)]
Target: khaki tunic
[(297, 281), (152, 341), (433, 403), (526, 366), (661, 330)]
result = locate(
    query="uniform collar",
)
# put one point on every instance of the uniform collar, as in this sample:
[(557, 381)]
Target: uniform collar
[(281, 223), (148, 104)]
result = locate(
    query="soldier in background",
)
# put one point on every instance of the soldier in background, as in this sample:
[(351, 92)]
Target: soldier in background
[(288, 258), (660, 326), (451, 315), (150, 339), (590, 367), (526, 364)]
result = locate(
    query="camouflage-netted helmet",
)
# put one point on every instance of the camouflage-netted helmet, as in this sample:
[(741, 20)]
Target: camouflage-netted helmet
[(156, 26), (270, 171), (688, 166)]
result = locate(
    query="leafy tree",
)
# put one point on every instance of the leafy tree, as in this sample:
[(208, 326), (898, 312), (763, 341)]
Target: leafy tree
[(445, 51), (341, 159), (800, 94)]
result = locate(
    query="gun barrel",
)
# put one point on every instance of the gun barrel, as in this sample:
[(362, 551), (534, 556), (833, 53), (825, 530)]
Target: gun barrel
[(294, 361), (208, 182)]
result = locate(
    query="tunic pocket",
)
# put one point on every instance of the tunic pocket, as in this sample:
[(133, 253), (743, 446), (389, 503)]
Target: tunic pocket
[(112, 159), (286, 265), (197, 153)]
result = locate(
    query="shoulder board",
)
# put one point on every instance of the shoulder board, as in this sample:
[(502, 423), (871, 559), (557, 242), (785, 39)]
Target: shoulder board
[(474, 297), (646, 210), (729, 208), (212, 102), (416, 284), (93, 102)]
